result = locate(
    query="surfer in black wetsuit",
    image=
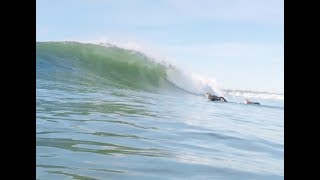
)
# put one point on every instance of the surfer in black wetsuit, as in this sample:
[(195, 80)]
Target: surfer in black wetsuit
[(215, 98), (249, 102)]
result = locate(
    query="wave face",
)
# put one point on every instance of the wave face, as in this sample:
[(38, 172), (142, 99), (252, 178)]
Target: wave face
[(75, 62)]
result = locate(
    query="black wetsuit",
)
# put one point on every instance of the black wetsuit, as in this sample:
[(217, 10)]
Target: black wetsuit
[(254, 103), (216, 98)]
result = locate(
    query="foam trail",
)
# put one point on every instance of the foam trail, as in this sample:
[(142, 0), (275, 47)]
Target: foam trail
[(255, 95)]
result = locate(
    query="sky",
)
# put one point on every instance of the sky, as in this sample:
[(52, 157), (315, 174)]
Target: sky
[(238, 43)]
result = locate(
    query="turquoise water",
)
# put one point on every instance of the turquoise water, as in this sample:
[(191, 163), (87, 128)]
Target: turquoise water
[(105, 113)]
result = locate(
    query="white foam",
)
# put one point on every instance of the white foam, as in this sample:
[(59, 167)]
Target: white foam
[(192, 82), (256, 95)]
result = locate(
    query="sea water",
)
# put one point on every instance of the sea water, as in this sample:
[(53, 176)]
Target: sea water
[(104, 113)]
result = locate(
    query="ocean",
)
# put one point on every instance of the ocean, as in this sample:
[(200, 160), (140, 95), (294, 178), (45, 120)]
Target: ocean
[(105, 112)]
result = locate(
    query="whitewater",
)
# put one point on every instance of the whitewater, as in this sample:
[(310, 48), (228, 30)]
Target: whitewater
[(107, 112)]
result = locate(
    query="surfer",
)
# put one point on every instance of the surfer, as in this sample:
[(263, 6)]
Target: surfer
[(215, 98), (249, 102)]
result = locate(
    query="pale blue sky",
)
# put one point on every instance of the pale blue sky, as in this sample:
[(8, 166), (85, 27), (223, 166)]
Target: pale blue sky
[(239, 43)]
